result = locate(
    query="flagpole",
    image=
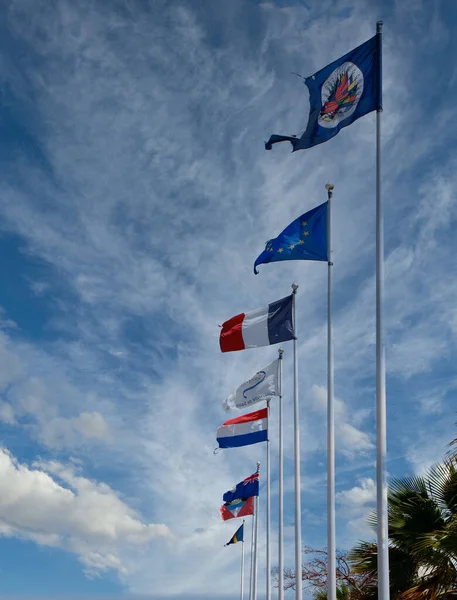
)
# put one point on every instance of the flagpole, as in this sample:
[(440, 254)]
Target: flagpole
[(281, 483), (381, 430), (242, 567), (297, 479), (251, 572), (256, 537), (331, 541), (268, 557)]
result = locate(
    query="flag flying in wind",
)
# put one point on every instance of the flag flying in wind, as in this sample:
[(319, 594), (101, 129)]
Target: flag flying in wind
[(248, 429), (237, 508), (262, 386), (238, 536), (304, 239), (247, 487), (339, 94), (261, 327)]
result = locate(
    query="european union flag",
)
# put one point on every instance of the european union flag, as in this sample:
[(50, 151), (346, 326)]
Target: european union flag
[(304, 239), (238, 536), (339, 94)]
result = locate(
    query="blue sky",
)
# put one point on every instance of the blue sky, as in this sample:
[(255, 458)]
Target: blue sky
[(135, 196)]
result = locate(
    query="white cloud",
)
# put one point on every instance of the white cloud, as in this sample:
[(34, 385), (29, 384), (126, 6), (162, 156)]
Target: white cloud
[(32, 397), (430, 443), (348, 439), (92, 425), (10, 364), (361, 495), (352, 439), (354, 505), (432, 405), (7, 413), (79, 514), (6, 323), (61, 432)]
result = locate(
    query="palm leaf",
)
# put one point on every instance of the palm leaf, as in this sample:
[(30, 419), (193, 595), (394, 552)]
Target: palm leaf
[(403, 567), (411, 518), (343, 592)]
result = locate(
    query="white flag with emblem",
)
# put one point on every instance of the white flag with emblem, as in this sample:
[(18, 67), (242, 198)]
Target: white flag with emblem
[(259, 388)]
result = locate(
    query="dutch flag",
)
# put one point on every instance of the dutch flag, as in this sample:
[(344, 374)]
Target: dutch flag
[(272, 324), (244, 431)]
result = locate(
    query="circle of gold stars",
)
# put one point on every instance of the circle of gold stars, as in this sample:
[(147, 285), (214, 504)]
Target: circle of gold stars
[(305, 233)]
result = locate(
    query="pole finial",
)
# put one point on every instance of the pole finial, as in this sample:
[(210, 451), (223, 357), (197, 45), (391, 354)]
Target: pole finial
[(379, 25), (294, 288), (329, 187), (280, 352)]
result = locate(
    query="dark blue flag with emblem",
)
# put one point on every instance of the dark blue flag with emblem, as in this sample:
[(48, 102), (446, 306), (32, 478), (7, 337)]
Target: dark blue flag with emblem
[(339, 94), (238, 536), (304, 239)]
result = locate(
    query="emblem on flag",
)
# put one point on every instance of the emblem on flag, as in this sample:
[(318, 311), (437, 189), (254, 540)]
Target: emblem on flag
[(262, 386), (339, 94)]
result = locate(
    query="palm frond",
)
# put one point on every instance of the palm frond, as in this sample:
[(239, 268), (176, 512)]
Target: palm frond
[(364, 558), (403, 567), (433, 585), (442, 483)]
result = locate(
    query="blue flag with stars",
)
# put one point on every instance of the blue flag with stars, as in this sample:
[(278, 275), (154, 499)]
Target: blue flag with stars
[(304, 239)]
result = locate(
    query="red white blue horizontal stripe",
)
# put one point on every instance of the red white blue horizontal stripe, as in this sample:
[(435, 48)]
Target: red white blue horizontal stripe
[(272, 324), (244, 431)]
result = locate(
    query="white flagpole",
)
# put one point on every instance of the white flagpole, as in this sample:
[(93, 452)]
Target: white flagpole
[(268, 557), (297, 478), (281, 492), (331, 541), (242, 567), (381, 430), (251, 573), (256, 537)]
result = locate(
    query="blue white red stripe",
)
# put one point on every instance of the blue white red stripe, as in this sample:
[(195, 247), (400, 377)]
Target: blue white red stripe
[(245, 430), (265, 326)]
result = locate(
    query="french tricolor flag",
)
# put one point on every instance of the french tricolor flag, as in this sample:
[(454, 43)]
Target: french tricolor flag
[(261, 327), (244, 431)]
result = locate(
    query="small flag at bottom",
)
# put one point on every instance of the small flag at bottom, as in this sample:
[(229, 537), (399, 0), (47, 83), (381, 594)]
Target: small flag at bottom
[(237, 536)]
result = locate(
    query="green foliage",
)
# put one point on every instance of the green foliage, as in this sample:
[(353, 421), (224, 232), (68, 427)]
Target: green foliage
[(343, 592), (422, 514), (422, 536)]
